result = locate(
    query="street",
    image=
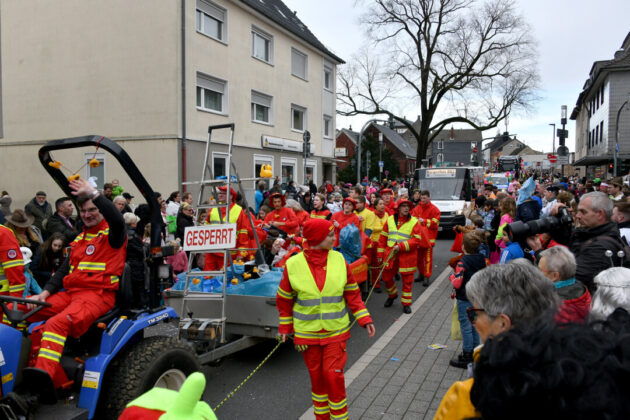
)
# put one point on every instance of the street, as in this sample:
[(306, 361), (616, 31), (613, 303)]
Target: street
[(281, 388)]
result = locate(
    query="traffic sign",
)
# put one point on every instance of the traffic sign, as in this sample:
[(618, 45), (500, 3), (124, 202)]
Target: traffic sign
[(553, 159), (380, 163), (549, 155), (563, 160)]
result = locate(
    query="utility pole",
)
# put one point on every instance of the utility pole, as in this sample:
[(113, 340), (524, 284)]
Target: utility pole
[(306, 151)]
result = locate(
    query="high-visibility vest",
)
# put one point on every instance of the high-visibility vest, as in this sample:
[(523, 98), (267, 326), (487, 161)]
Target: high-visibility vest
[(234, 213), (401, 234), (314, 310)]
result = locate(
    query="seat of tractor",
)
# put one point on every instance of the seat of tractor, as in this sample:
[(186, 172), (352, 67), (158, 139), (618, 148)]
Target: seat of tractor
[(124, 299)]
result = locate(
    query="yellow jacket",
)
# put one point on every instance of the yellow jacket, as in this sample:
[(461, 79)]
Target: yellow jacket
[(456, 403)]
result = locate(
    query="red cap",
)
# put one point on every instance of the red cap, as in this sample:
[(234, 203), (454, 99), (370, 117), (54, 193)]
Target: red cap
[(402, 202), (350, 200), (316, 230), (274, 195), (387, 191), (232, 192)]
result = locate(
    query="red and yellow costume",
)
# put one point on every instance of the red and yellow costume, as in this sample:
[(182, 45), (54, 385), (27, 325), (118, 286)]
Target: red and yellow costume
[(316, 291), (214, 260), (11, 264), (404, 232), (324, 213), (90, 287), (430, 216), (302, 217)]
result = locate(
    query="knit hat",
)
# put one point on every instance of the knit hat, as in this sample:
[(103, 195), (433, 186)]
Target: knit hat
[(232, 192), (316, 230)]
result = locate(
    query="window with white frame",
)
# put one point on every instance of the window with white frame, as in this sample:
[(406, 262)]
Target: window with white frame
[(211, 20), (211, 93), (440, 145), (311, 171), (262, 45), (328, 77), (298, 118), (261, 108), (327, 126), (299, 63), (440, 157), (259, 161), (219, 164), (288, 171), (97, 172)]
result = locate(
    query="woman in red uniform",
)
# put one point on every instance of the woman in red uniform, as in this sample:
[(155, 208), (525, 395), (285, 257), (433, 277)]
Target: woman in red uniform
[(320, 211), (309, 278), (281, 217), (302, 215), (343, 218)]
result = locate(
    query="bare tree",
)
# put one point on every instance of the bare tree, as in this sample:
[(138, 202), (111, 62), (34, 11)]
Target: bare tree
[(459, 61)]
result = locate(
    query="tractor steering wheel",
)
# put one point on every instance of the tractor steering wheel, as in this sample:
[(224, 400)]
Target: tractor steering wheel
[(15, 315)]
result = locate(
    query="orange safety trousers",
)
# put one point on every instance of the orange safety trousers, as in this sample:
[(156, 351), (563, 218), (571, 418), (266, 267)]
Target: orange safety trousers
[(325, 365), (407, 282), (425, 261), (71, 313)]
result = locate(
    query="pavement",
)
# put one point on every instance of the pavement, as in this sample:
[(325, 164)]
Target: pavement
[(399, 376)]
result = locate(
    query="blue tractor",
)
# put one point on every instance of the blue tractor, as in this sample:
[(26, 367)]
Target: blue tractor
[(120, 356)]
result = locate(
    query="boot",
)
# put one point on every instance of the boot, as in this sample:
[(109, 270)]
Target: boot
[(425, 283), (407, 309), (419, 279), (378, 289), (389, 302), (397, 277), (462, 360)]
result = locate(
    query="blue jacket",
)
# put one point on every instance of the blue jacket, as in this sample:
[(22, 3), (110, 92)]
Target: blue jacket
[(511, 252)]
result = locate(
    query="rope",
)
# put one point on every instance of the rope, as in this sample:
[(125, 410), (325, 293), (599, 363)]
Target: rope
[(250, 375), (231, 394)]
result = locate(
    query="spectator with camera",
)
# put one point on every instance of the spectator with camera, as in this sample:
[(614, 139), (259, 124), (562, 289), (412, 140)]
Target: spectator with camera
[(594, 234)]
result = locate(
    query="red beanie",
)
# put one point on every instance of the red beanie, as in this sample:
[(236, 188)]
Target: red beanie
[(316, 230)]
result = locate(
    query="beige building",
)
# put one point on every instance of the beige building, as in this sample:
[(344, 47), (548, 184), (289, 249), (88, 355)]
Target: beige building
[(153, 75)]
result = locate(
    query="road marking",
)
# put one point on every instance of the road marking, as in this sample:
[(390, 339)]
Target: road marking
[(367, 357)]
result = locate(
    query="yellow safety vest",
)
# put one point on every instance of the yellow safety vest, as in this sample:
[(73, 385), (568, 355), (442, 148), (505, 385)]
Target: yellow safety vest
[(402, 234), (234, 213), (314, 310)]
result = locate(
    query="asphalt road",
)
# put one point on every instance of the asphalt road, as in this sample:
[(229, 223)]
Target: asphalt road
[(281, 388)]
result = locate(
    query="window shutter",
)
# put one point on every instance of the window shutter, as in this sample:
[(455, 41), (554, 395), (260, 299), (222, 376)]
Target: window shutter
[(211, 10), (261, 99), (210, 84)]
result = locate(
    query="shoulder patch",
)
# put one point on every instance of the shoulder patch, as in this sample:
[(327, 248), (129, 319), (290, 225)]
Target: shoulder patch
[(12, 253), (90, 249)]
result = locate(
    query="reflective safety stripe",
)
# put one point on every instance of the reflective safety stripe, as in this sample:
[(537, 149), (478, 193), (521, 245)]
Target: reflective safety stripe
[(342, 416), (350, 287), (55, 338), (314, 216), (320, 335), (115, 279), (321, 410), (400, 234), (16, 288), (12, 263), (316, 302), (319, 397), (362, 313), (284, 294), (55, 356), (284, 320), (338, 405), (408, 270), (95, 266), (325, 315)]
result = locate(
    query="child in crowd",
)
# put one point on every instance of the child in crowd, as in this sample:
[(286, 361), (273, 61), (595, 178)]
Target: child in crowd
[(488, 215), (511, 250), (117, 189), (179, 260), (30, 285)]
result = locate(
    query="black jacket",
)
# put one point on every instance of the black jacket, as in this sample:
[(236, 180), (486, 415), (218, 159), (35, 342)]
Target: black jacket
[(183, 221), (40, 213), (590, 252), (57, 224), (528, 210), (472, 263)]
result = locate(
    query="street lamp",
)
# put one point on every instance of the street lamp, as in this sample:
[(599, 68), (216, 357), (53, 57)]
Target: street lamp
[(616, 152), (553, 138)]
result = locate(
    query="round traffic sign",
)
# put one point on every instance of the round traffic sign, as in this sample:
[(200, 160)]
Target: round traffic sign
[(549, 155), (553, 159)]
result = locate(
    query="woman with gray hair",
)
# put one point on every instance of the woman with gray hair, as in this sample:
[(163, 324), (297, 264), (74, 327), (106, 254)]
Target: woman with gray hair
[(503, 297), (613, 291), (558, 265)]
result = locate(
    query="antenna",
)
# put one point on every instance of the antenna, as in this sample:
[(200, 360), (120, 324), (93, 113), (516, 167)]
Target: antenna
[(609, 254)]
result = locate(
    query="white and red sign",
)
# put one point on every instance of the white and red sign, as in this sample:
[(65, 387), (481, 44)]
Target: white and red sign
[(553, 159), (209, 237)]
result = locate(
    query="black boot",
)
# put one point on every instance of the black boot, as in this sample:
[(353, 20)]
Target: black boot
[(390, 301), (462, 360), (407, 309), (419, 279), (425, 283)]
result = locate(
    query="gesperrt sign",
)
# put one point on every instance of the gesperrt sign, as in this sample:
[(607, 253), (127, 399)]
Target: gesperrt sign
[(209, 237)]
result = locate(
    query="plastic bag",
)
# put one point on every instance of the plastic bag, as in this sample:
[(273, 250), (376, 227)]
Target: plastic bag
[(350, 243), (456, 332), (267, 285), (172, 223)]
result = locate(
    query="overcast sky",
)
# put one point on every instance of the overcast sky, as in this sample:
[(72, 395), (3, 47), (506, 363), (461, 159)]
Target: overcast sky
[(571, 35)]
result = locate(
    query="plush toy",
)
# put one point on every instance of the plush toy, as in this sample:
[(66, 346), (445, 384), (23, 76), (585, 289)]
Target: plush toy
[(165, 404)]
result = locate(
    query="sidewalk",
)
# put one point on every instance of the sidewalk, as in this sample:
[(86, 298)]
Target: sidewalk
[(399, 377)]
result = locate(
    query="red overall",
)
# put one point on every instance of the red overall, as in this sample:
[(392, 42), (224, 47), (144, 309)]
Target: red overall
[(286, 216), (430, 216), (11, 268), (214, 260), (405, 260), (90, 292), (326, 354)]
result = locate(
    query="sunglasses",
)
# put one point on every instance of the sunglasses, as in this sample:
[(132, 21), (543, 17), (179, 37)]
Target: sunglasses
[(473, 313)]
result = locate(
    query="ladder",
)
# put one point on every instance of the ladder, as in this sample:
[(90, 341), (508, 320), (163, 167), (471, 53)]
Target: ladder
[(215, 325)]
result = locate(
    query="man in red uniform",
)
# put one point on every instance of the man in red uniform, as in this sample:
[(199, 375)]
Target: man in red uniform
[(11, 267), (89, 277), (401, 234), (341, 219), (428, 215), (316, 291), (390, 205), (281, 217), (237, 215)]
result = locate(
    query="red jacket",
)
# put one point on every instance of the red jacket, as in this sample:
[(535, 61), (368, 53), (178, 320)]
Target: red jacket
[(320, 214), (11, 264), (303, 217), (391, 207), (574, 310), (430, 216), (344, 220), (316, 259), (285, 215)]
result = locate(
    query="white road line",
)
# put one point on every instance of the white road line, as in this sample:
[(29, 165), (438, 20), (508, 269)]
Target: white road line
[(365, 360)]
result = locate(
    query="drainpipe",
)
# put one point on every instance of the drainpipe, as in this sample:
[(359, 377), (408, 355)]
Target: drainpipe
[(183, 144)]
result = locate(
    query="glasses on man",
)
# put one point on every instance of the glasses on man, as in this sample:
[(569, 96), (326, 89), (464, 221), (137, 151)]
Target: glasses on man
[(90, 210), (473, 313)]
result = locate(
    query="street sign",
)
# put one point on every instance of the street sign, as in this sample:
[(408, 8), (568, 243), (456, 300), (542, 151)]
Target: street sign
[(553, 159), (386, 173), (549, 155), (563, 133), (210, 237), (306, 136), (380, 163), (537, 163), (563, 160)]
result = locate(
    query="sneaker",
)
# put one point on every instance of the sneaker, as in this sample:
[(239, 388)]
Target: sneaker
[(389, 302), (462, 360), (407, 309)]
